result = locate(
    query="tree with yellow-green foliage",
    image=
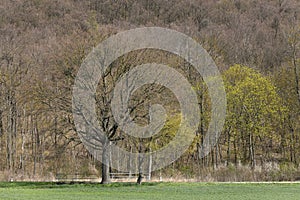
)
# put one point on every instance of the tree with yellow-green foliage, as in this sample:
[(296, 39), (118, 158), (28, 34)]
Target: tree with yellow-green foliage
[(254, 114)]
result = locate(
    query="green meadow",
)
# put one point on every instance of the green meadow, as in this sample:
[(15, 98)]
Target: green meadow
[(153, 191)]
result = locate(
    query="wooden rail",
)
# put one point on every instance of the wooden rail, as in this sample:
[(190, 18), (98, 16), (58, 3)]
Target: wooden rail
[(60, 177), (127, 176)]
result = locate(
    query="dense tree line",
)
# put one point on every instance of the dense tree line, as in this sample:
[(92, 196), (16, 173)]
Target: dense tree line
[(255, 44)]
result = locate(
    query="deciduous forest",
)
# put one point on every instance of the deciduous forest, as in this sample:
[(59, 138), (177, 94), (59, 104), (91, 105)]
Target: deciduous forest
[(254, 43)]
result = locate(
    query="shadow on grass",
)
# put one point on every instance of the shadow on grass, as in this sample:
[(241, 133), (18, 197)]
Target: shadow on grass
[(48, 185)]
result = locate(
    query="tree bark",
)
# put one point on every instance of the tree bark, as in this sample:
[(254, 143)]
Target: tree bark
[(228, 147), (140, 162), (1, 123), (252, 158), (105, 163), (140, 178), (235, 150)]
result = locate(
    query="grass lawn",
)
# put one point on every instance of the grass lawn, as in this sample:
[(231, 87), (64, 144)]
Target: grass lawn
[(153, 191)]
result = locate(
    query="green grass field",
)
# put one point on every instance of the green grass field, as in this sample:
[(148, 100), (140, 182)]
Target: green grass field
[(153, 191)]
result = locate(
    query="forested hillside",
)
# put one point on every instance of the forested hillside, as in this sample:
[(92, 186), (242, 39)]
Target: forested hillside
[(254, 43)]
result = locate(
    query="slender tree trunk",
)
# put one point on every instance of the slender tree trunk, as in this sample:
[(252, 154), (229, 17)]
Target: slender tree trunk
[(1, 123), (32, 145), (129, 162), (105, 163), (295, 154), (1, 134), (235, 150), (201, 128), (12, 131), (251, 145), (150, 166), (23, 140), (244, 141), (296, 72), (292, 147), (37, 146), (8, 145), (140, 162), (213, 158), (22, 162), (228, 147), (216, 156)]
